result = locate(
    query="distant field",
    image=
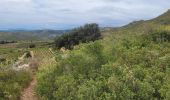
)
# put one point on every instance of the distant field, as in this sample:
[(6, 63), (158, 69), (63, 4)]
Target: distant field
[(10, 45), (9, 53)]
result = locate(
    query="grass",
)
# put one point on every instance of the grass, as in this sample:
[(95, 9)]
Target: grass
[(12, 83), (10, 55)]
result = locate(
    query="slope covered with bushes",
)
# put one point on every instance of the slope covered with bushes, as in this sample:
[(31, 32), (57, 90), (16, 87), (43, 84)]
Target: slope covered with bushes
[(118, 67)]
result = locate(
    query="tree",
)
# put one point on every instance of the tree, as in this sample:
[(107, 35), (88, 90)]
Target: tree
[(86, 33)]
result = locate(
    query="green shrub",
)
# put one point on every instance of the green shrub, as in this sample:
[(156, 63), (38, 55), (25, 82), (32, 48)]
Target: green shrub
[(32, 46), (2, 60), (160, 36)]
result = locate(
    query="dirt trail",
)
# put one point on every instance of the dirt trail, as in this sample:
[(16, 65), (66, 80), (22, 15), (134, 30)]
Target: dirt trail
[(32, 54), (29, 93)]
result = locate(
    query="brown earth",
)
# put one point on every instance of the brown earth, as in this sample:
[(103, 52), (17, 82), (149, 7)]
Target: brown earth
[(29, 92)]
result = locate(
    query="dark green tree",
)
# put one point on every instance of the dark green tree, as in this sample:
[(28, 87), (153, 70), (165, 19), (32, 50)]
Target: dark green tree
[(83, 34)]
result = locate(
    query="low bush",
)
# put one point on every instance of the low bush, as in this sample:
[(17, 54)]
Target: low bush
[(32, 46), (160, 36), (2, 60)]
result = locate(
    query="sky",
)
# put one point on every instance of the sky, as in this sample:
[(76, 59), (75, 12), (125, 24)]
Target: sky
[(67, 14)]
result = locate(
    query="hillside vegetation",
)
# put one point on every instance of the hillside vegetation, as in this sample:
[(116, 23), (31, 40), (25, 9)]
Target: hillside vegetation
[(129, 63), (128, 68), (126, 65)]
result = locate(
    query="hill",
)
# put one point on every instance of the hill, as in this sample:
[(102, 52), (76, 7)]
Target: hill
[(20, 35), (142, 26), (132, 63), (163, 19)]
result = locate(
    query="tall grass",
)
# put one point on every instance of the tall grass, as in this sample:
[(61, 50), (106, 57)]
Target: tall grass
[(12, 83)]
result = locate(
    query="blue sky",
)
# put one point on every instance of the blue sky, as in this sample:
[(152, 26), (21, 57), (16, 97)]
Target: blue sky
[(66, 14)]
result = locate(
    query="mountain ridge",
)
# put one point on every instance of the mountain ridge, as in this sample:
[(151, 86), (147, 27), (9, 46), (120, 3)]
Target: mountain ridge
[(46, 34), (144, 26), (30, 34)]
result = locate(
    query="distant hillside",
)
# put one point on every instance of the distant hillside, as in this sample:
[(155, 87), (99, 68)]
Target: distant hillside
[(139, 27), (163, 19), (30, 35), (142, 26)]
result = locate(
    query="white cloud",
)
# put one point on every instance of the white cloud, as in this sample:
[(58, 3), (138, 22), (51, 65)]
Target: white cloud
[(64, 13)]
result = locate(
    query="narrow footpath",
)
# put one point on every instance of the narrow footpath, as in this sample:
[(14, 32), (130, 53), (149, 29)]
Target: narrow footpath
[(29, 92)]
